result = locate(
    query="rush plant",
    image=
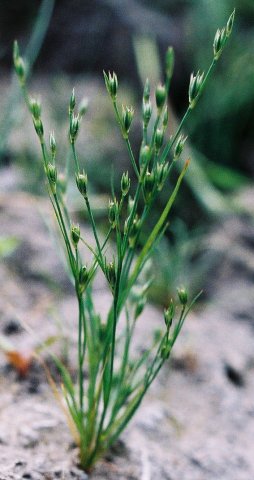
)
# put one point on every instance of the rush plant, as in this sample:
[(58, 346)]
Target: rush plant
[(101, 403)]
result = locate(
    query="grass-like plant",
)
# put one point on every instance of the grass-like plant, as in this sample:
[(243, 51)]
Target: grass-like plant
[(102, 402)]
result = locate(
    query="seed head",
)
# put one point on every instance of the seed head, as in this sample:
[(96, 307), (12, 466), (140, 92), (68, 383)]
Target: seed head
[(19, 64), (35, 108), (38, 127), (161, 172), (196, 82), (182, 295), (52, 145), (72, 102), (111, 83), (83, 278), (75, 234), (149, 182), (127, 117), (160, 96), (179, 146), (113, 212), (134, 231), (110, 271), (81, 181), (52, 176), (74, 127), (147, 112), (169, 314), (230, 23), (144, 157), (146, 94), (158, 139), (125, 184), (219, 42), (169, 62)]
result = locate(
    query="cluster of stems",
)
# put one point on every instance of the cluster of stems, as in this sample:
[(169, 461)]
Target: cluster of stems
[(102, 402)]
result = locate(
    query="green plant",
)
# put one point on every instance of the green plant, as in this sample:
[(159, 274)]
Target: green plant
[(104, 402)]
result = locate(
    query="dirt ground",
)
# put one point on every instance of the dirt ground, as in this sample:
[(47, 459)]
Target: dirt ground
[(196, 423)]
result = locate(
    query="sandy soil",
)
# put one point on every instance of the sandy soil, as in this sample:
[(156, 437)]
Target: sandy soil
[(197, 422)]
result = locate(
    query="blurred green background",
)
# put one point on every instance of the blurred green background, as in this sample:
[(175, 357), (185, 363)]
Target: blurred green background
[(70, 43)]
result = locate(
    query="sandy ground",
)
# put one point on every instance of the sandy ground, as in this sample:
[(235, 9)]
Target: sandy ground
[(196, 423)]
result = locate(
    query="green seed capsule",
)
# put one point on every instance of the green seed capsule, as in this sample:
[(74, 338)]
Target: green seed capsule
[(52, 176), (75, 234), (125, 184), (83, 278), (81, 181), (160, 96), (74, 127), (158, 140), (35, 108), (196, 82), (149, 182), (127, 117), (110, 270), (72, 102), (146, 94), (169, 62), (111, 84), (183, 296), (112, 212)]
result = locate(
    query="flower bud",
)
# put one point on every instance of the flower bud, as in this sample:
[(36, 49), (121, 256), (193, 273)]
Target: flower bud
[(149, 182), (83, 278), (169, 314), (160, 96), (196, 82), (147, 112), (219, 42), (125, 184), (38, 127), (52, 145), (52, 176), (113, 212), (127, 117), (134, 231), (20, 68), (161, 172), (144, 157), (179, 146), (74, 127), (146, 94), (35, 108), (111, 83), (169, 62), (81, 181), (75, 234), (110, 270), (230, 24), (72, 102), (158, 139), (182, 295)]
